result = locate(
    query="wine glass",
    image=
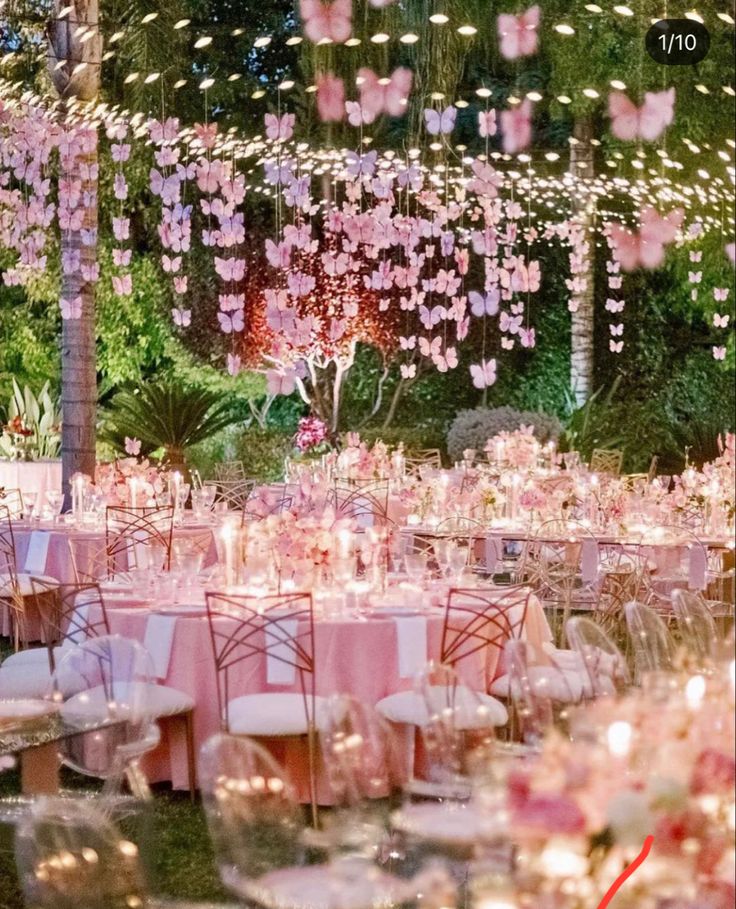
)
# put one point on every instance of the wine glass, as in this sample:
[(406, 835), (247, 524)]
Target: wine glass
[(415, 564), (29, 504), (443, 550), (54, 499), (459, 560)]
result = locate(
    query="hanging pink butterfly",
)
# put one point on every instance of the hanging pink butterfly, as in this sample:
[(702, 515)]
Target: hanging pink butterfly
[(357, 115), (430, 349), (70, 261), (299, 284), (181, 284), (526, 278), (330, 97), (166, 156), (88, 237), (132, 447), (484, 304), (440, 123), (280, 382), (720, 294), (182, 317), (71, 220), (408, 370), (430, 318), (361, 165), (507, 343), (447, 360), (163, 132), (280, 128), (71, 309), (122, 285), (612, 267), (335, 264), (615, 346), (121, 228), (296, 193), (518, 34), (527, 337), (234, 364), (509, 324), (409, 343), (121, 257), (171, 265), (628, 122), (90, 273), (694, 277), (411, 177), (232, 269), (486, 179), (720, 321), (615, 282), (324, 21), (614, 306), (298, 237), (278, 255), (231, 322), (616, 330), (483, 373), (446, 282), (387, 96), (516, 126), (120, 153), (338, 327), (280, 319), (487, 123), (731, 252), (646, 249), (206, 133), (696, 255)]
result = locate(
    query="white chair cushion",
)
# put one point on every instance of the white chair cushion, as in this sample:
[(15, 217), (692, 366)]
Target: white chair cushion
[(159, 701), (24, 583), (410, 709), (34, 656), (272, 713), (560, 685), (24, 681)]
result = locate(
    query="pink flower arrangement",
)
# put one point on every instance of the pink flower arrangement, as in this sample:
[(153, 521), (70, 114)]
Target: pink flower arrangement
[(518, 449), (310, 434), (294, 538), (111, 480), (358, 461)]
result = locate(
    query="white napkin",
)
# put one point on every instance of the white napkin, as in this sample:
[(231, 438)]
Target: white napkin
[(589, 561), (279, 637), (494, 553), (698, 565), (38, 550), (411, 634), (158, 640)]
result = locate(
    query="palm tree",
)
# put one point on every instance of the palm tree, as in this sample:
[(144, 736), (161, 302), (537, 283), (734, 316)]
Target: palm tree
[(74, 68)]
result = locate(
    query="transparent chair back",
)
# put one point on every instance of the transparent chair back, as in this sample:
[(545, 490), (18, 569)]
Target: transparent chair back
[(651, 641), (535, 688), (103, 685), (70, 856), (695, 624), (605, 669)]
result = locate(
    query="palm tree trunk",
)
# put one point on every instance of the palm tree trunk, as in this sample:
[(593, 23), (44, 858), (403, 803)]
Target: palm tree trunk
[(582, 166), (66, 53)]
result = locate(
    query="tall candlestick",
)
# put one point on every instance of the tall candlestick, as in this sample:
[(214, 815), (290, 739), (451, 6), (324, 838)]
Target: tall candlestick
[(79, 483), (133, 486)]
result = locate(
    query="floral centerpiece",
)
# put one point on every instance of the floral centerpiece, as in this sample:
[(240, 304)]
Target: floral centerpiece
[(311, 437), (113, 481), (708, 496), (584, 808), (518, 449), (358, 461)]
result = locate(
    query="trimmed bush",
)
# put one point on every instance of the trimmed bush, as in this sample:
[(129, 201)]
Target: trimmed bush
[(473, 428)]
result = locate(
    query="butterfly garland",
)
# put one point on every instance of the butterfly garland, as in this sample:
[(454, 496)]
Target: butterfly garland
[(615, 304), (122, 280)]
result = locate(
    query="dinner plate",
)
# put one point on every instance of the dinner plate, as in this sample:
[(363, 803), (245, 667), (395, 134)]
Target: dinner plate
[(181, 609)]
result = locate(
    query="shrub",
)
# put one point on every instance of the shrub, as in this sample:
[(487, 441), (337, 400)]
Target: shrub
[(473, 428), (414, 438), (263, 452)]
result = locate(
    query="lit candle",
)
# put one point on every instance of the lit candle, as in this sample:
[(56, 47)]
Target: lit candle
[(619, 737), (695, 692), (79, 483), (227, 535), (344, 544)]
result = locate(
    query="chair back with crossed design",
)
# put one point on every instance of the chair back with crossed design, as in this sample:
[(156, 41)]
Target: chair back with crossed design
[(70, 614), (138, 538), (10, 592), (477, 621), (606, 460), (277, 628), (365, 501), (423, 457), (12, 499), (235, 492), (229, 471)]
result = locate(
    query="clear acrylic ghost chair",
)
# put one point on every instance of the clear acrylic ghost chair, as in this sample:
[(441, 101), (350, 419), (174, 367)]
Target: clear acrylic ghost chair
[(107, 680), (257, 829), (604, 669), (70, 855), (651, 641), (363, 759), (683, 563), (695, 624)]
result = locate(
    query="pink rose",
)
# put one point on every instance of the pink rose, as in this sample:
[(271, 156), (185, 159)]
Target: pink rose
[(714, 771)]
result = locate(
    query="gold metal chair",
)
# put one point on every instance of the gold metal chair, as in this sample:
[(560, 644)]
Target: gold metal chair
[(606, 460)]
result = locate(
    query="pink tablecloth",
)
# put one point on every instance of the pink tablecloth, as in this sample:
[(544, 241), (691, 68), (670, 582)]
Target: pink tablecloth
[(359, 657)]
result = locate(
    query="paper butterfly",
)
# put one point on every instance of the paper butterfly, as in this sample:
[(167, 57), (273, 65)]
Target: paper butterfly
[(384, 95), (278, 255), (430, 318), (696, 255), (484, 305), (181, 284), (408, 370), (446, 361), (616, 329), (527, 337), (231, 322), (90, 273), (71, 220), (721, 321), (182, 317), (507, 343), (206, 133), (615, 346), (719, 353), (629, 122), (614, 306), (169, 188), (361, 165), (484, 373), (132, 447), (71, 309), (694, 277), (516, 126), (123, 285), (518, 34), (163, 132), (408, 343), (509, 324), (280, 382), (280, 127), (327, 21), (720, 294), (440, 123), (230, 269), (233, 364), (428, 349), (486, 123)]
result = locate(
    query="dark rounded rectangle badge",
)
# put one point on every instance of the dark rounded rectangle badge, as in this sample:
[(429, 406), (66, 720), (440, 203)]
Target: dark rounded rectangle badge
[(677, 42)]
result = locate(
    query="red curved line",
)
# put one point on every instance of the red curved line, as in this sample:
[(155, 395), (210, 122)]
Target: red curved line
[(621, 879)]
